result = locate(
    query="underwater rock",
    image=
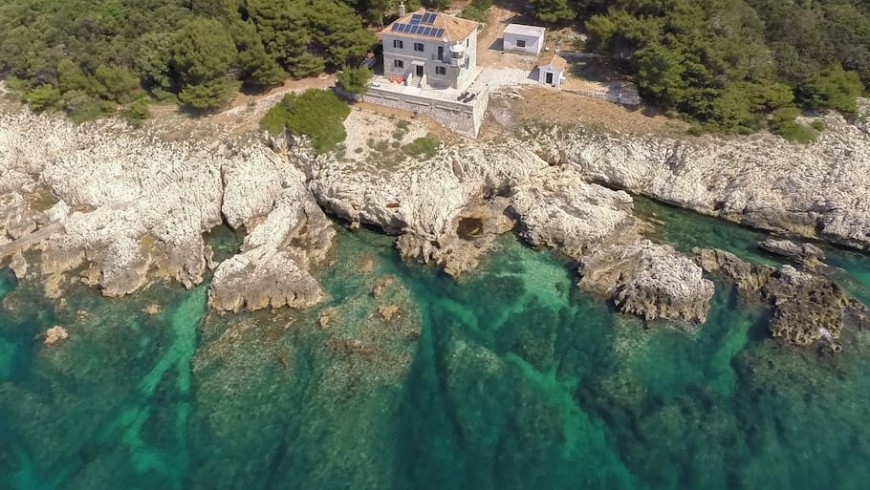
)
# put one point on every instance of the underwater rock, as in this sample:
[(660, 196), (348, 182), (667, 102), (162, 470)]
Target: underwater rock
[(805, 253), (381, 285), (648, 280), (808, 307), (387, 312), (152, 309), (55, 335), (558, 209)]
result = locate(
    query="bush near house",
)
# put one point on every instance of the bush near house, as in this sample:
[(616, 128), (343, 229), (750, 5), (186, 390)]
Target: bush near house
[(425, 146), (477, 10), (318, 114), (355, 80)]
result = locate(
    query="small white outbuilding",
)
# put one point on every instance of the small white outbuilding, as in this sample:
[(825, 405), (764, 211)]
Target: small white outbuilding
[(551, 69), (523, 39)]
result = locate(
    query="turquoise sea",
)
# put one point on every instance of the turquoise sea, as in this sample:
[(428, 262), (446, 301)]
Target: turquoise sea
[(507, 379)]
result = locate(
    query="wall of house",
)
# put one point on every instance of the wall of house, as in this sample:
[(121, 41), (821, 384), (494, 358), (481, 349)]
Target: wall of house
[(557, 75), (463, 118), (454, 75), (533, 43)]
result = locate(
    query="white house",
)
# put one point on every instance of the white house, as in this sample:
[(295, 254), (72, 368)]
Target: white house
[(524, 39), (430, 49), (551, 68)]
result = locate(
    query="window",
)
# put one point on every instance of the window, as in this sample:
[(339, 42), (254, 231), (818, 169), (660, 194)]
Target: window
[(418, 47), (521, 43), (398, 44), (440, 70), (398, 63)]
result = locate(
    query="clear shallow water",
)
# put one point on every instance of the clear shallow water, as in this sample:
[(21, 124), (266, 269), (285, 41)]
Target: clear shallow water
[(509, 378)]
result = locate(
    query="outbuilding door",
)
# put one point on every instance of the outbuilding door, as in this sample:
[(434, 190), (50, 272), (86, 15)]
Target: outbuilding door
[(549, 78)]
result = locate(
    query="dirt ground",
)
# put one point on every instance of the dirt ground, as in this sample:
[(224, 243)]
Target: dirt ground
[(239, 118), (515, 106)]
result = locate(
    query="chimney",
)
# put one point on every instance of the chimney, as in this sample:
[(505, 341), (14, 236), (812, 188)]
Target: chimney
[(402, 9)]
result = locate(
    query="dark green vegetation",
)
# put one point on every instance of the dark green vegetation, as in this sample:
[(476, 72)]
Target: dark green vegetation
[(476, 10), (355, 80), (425, 146), (318, 114), (507, 379), (87, 57), (727, 64)]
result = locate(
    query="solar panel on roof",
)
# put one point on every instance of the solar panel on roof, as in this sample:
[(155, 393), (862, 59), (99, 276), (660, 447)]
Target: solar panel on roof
[(438, 33), (405, 28), (396, 27), (429, 18), (427, 31), (416, 18)]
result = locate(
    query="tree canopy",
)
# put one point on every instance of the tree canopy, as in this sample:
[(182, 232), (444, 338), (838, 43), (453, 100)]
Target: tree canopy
[(727, 64), (89, 56)]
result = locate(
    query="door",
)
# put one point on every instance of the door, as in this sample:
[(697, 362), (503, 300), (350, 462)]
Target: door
[(549, 78), (440, 53), (420, 71)]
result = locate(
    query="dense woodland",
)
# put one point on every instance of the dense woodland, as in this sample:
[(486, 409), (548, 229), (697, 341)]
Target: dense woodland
[(89, 56), (727, 64)]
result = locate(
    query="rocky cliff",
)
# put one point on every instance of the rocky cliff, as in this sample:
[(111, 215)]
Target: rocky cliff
[(821, 189), (128, 208)]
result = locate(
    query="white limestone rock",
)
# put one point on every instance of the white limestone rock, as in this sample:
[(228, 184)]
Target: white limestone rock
[(558, 209), (422, 201), (274, 266), (821, 189), (649, 280)]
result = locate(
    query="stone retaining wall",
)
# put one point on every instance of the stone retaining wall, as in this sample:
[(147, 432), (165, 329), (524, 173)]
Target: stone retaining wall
[(463, 118)]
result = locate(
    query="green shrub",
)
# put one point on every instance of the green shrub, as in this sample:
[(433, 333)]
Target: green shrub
[(43, 97), (318, 114), (834, 88), (819, 125), (784, 124), (476, 10), (355, 80), (425, 146), (382, 146), (81, 106), (137, 112)]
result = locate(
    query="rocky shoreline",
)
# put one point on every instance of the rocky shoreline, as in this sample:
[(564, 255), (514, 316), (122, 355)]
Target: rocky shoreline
[(820, 190), (130, 209)]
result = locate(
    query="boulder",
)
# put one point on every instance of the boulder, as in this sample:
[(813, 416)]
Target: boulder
[(273, 268), (55, 335), (558, 209), (808, 308), (805, 253), (649, 280)]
